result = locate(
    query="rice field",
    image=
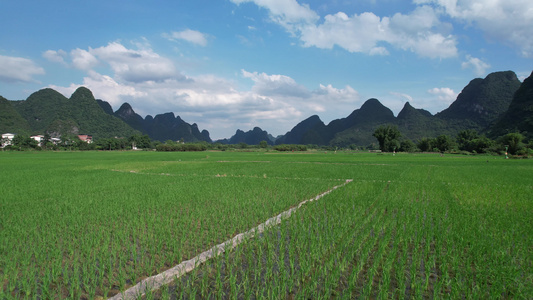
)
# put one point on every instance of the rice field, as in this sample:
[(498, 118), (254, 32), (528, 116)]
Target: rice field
[(90, 225)]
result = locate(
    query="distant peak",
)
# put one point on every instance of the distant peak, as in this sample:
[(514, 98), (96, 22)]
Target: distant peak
[(509, 75), (82, 93), (125, 110), (125, 106), (372, 103)]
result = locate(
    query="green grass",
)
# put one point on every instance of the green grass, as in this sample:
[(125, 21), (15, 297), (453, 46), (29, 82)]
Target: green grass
[(91, 224)]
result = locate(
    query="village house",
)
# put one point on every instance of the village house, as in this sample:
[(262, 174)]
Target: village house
[(86, 138), (39, 139), (7, 139)]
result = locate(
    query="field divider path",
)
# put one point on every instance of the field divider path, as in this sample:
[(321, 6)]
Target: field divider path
[(166, 277)]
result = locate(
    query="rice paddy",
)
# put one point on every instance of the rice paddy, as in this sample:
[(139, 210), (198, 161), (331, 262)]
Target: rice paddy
[(90, 225)]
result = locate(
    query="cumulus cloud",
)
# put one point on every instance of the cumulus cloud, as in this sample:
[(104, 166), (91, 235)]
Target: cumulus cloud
[(55, 56), (504, 21), (347, 94), (446, 95), (83, 59), (286, 89), (272, 85), (18, 69), (136, 65), (477, 65), (288, 13), (217, 105), (152, 85), (191, 36), (416, 32), (105, 87), (419, 31)]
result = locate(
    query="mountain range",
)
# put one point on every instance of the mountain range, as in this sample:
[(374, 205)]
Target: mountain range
[(480, 106), (494, 106)]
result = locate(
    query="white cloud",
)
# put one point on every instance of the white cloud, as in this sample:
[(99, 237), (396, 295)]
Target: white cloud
[(150, 83), (55, 56), (445, 95), (104, 87), (288, 13), (272, 85), (347, 94), (509, 21), (420, 31), (83, 59), (378, 51), (480, 67), (18, 69), (136, 65), (191, 36)]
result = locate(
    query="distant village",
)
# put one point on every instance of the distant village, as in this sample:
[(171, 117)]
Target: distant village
[(7, 139)]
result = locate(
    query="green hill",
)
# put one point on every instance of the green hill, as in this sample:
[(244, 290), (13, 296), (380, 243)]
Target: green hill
[(481, 102), (48, 111), (42, 108), (10, 120), (93, 120), (251, 137), (519, 116)]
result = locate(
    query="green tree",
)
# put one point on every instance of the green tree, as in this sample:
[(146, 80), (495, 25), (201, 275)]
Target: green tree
[(392, 145), (140, 141), (22, 142), (443, 143), (112, 144), (407, 146), (263, 144), (481, 144), (425, 145), (387, 136), (465, 138), (46, 141), (513, 141)]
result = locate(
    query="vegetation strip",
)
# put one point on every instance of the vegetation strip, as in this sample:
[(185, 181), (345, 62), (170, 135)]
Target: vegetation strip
[(156, 281), (226, 175)]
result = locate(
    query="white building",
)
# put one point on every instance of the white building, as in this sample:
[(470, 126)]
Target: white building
[(7, 139), (39, 139)]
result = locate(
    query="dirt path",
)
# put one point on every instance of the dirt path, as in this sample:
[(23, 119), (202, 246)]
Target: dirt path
[(156, 281)]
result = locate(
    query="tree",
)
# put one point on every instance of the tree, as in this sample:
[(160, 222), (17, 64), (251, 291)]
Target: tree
[(140, 141), (112, 144), (481, 144), (514, 141), (407, 146), (465, 138), (263, 144), (387, 136), (425, 145), (24, 142), (46, 141), (443, 143)]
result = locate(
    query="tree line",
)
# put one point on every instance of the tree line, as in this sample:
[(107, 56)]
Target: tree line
[(468, 141), (389, 139)]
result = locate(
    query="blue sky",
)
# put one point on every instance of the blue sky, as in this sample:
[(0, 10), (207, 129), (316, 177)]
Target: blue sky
[(236, 64)]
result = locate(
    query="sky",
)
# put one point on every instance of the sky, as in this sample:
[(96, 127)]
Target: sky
[(237, 64)]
